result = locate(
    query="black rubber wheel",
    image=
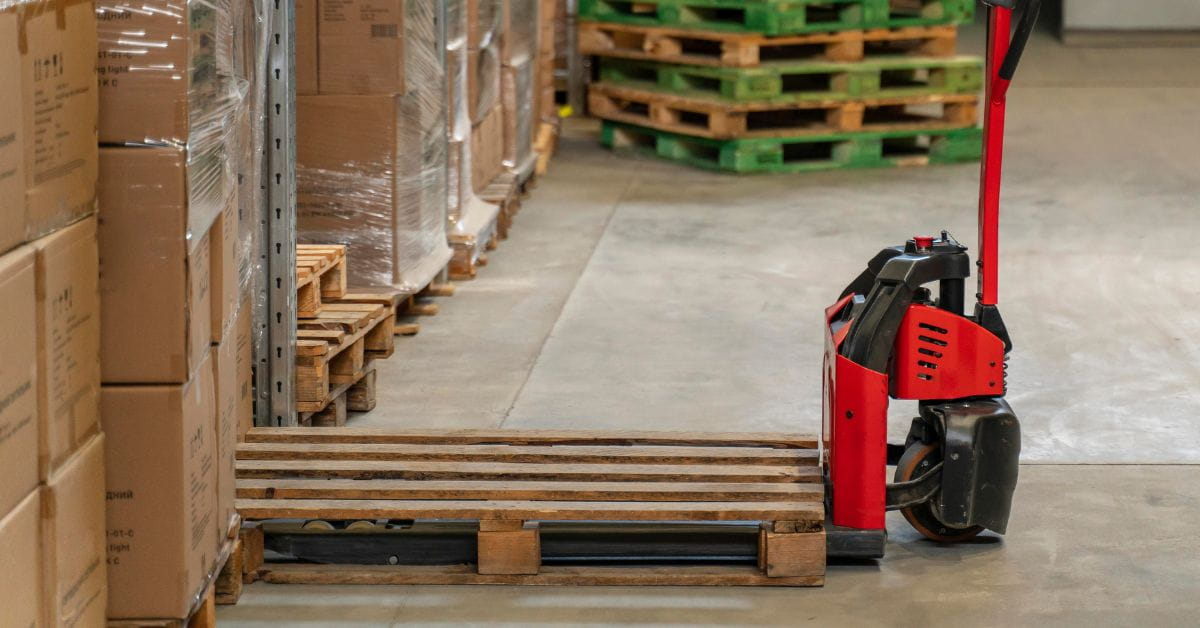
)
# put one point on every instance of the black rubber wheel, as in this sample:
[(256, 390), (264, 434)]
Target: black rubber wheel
[(918, 459)]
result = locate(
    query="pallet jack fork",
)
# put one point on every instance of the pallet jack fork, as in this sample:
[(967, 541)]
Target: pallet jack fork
[(888, 336)]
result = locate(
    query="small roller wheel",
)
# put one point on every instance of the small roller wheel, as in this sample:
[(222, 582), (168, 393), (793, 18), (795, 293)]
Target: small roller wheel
[(918, 459), (318, 524)]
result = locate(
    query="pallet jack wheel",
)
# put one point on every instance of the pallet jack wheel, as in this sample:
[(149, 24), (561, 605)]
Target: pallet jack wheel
[(918, 459)]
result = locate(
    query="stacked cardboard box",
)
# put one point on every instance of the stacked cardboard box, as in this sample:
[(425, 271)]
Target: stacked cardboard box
[(518, 83), (176, 137), (51, 462), (375, 182)]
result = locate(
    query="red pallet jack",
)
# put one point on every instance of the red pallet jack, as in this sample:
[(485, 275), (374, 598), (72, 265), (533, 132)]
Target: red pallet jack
[(888, 336)]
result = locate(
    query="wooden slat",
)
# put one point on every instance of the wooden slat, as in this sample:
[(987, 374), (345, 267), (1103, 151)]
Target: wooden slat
[(530, 437), (372, 469), (536, 491), (675, 575), (649, 454), (529, 510)]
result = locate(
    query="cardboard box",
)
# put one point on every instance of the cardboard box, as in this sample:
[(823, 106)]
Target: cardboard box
[(68, 338), (73, 536), (164, 71), (58, 92), (306, 47), (483, 81), (519, 117), (487, 149), (225, 259), (161, 497), (156, 311), (360, 47), (18, 378), (12, 146), (231, 375), (347, 186), (485, 22), (21, 547)]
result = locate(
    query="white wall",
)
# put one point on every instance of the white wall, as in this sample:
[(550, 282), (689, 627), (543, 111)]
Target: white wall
[(1131, 14)]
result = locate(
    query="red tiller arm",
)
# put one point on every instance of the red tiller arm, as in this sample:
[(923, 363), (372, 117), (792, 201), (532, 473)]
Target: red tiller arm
[(1003, 55)]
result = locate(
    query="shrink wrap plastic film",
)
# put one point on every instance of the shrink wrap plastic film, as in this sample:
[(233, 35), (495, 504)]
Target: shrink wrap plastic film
[(519, 114), (169, 75), (468, 215), (377, 181), (485, 34), (519, 84), (522, 35)]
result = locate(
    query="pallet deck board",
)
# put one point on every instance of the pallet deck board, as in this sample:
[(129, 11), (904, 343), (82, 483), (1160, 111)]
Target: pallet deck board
[(778, 17), (719, 48), (592, 454), (787, 82), (866, 149), (550, 575), (710, 118), (375, 469), (511, 490), (531, 437), (343, 509)]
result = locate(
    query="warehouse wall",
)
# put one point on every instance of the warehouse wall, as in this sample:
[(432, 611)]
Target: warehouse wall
[(1126, 15)]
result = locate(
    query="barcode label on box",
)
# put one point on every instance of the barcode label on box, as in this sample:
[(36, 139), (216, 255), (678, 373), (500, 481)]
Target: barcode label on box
[(389, 31)]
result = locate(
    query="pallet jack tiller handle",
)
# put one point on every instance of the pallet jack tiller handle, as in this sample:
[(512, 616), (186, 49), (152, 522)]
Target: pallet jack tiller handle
[(1003, 55)]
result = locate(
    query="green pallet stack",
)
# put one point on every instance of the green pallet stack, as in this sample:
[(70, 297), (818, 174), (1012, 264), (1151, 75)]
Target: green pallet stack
[(784, 85)]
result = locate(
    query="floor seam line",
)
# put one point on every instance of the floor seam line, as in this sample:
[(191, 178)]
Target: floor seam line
[(545, 339)]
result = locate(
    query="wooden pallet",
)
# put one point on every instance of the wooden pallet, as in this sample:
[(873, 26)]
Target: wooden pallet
[(334, 351), (779, 17), (704, 117), (545, 145), (406, 306), (470, 249), (807, 153), (884, 77), (511, 481), (747, 50), (320, 275), (504, 191)]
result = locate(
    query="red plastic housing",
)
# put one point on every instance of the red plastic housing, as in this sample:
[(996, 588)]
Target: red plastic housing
[(940, 355), (855, 433)]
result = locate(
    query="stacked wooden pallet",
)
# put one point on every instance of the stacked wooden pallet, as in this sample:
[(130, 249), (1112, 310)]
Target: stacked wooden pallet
[(336, 340), (370, 497), (785, 86)]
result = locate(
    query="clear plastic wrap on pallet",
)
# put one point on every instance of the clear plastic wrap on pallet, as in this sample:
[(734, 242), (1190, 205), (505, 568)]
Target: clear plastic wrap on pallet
[(168, 76), (469, 217), (521, 38), (377, 181), (485, 52), (519, 116)]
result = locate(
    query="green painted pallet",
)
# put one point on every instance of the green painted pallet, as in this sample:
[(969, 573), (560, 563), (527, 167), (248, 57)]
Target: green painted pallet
[(779, 17), (880, 77), (802, 154)]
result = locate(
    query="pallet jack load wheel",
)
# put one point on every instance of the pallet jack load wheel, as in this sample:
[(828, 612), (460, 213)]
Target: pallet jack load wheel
[(918, 459)]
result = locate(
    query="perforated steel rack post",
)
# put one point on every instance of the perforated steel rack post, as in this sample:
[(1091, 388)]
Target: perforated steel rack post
[(277, 400)]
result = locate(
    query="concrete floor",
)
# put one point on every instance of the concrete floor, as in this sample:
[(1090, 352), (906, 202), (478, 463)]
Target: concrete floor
[(637, 294)]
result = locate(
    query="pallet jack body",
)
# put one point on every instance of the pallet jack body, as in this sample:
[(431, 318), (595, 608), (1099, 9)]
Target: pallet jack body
[(889, 337)]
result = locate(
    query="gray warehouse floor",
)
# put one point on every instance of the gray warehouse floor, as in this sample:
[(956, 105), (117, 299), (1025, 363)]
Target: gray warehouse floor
[(637, 294)]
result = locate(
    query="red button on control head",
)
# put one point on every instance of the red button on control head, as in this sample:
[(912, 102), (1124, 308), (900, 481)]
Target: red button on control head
[(923, 242)]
